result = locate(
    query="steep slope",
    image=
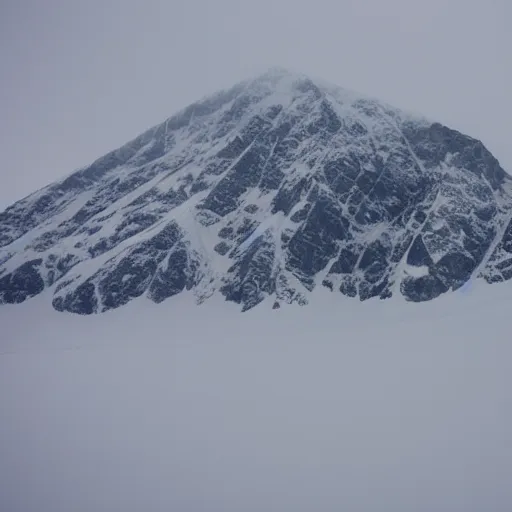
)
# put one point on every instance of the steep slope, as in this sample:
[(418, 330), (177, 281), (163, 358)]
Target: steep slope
[(272, 188)]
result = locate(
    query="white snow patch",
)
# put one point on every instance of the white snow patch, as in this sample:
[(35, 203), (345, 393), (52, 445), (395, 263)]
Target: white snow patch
[(413, 271)]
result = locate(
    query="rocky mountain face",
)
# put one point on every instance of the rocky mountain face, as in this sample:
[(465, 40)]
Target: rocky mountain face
[(273, 188)]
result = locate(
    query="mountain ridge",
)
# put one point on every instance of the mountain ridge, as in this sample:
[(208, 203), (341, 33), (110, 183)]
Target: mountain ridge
[(270, 188)]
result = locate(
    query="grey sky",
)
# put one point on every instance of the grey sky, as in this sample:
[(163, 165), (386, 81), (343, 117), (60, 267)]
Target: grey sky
[(81, 78)]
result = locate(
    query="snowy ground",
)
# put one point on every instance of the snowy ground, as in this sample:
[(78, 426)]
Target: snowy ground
[(340, 406)]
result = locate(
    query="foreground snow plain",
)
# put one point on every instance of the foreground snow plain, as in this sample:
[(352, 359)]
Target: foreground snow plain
[(341, 405)]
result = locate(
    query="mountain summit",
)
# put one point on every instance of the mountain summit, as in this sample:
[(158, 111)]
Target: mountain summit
[(272, 188)]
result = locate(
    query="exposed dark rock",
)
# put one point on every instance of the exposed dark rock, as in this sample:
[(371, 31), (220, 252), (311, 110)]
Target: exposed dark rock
[(22, 283)]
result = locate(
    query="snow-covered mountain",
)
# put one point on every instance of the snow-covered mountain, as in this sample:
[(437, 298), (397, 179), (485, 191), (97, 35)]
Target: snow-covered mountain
[(270, 189)]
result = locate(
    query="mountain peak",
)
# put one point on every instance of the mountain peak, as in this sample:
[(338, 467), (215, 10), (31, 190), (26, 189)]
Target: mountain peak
[(285, 80), (269, 190)]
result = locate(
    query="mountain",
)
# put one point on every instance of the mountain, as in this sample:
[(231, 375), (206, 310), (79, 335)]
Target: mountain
[(273, 188)]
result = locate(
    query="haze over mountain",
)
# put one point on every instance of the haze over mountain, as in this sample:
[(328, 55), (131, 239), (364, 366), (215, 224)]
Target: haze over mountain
[(273, 188)]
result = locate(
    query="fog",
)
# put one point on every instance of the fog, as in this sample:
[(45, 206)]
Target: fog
[(336, 406)]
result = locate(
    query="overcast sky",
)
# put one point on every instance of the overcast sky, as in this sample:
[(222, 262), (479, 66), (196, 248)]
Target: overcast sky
[(79, 78)]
